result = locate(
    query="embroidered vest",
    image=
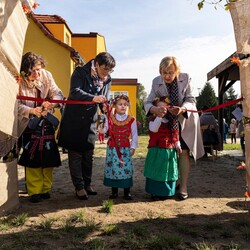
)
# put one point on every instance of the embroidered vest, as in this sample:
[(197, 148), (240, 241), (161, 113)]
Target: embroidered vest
[(164, 138), (121, 131)]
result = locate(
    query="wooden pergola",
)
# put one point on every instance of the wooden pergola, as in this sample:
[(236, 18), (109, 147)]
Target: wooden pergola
[(227, 74)]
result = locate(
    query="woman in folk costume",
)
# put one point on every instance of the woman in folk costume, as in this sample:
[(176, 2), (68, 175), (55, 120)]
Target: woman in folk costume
[(118, 171), (37, 126), (161, 165)]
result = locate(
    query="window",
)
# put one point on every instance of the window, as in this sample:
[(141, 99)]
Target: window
[(67, 39)]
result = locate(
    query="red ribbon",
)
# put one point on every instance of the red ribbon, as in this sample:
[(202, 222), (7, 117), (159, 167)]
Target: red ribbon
[(20, 97), (223, 105)]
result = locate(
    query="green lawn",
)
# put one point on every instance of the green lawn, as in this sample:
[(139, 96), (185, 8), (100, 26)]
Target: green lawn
[(142, 149)]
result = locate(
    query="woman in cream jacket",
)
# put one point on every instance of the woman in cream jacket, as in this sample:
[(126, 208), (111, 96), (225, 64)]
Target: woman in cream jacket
[(177, 87)]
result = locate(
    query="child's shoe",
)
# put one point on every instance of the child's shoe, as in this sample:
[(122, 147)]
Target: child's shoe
[(127, 194), (114, 194)]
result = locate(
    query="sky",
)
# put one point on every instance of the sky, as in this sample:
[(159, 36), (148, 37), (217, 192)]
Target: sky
[(139, 33)]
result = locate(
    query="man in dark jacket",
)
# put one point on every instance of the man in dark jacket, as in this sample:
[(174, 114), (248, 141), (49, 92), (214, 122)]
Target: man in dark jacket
[(90, 83)]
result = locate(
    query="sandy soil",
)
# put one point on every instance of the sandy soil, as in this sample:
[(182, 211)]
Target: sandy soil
[(215, 214)]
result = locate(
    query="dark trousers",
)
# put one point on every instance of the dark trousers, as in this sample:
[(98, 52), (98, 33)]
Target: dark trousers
[(80, 166)]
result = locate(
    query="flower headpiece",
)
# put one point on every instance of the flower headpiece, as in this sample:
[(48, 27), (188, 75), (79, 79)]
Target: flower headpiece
[(119, 97), (161, 99)]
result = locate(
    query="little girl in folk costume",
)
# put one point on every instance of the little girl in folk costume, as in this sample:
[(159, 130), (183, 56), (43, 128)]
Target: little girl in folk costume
[(101, 134), (161, 165), (118, 171)]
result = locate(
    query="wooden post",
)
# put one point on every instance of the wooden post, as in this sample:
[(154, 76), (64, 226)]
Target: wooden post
[(240, 13)]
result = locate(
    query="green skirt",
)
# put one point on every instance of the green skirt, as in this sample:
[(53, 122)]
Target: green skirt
[(160, 188), (161, 164)]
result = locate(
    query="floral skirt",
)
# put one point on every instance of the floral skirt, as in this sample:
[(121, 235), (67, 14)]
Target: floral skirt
[(116, 170)]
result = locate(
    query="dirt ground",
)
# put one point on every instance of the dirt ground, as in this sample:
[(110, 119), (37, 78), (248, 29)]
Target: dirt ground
[(215, 216)]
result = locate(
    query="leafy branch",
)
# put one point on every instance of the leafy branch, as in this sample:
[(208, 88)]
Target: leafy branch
[(216, 3)]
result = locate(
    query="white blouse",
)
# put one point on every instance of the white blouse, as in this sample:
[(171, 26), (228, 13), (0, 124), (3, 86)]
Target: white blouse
[(155, 125)]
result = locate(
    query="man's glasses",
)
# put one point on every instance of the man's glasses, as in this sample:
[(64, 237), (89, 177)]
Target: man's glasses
[(106, 70)]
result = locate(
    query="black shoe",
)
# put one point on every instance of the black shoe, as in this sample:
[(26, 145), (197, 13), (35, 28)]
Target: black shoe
[(113, 196), (155, 197), (35, 198), (90, 190), (81, 194), (128, 197), (45, 196), (182, 197)]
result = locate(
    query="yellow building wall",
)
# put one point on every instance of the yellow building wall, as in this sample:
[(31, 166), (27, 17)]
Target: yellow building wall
[(89, 47), (60, 32), (132, 94), (86, 46), (57, 58), (101, 45)]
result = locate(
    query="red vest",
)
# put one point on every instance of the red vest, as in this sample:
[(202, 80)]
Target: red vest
[(164, 138), (121, 131)]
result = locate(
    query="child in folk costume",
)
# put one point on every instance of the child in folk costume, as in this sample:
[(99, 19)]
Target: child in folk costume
[(118, 171), (101, 134), (161, 165), (40, 151)]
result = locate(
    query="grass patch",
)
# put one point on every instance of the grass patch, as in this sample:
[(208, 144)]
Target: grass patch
[(204, 246), (164, 242), (5, 223), (110, 229), (130, 241), (20, 220), (229, 146), (188, 230), (78, 216), (141, 231), (95, 244), (90, 224), (107, 206), (47, 223)]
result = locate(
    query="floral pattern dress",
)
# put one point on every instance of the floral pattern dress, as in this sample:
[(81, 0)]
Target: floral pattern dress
[(118, 171)]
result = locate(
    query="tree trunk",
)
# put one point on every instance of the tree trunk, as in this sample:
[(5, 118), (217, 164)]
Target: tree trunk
[(240, 13)]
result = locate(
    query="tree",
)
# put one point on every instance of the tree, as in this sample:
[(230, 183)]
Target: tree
[(207, 97), (140, 112), (142, 94), (229, 96), (240, 13)]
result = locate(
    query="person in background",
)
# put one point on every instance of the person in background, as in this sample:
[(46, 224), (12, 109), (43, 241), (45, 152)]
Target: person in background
[(101, 133), (233, 128), (225, 130), (161, 165), (37, 126), (77, 132), (118, 170), (240, 131), (177, 87), (207, 118)]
